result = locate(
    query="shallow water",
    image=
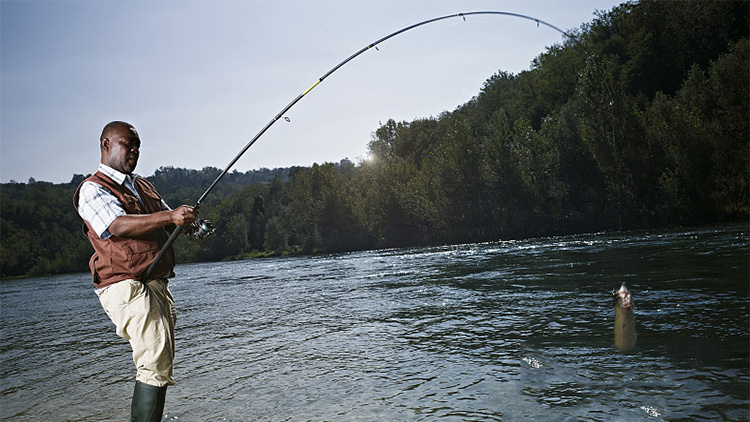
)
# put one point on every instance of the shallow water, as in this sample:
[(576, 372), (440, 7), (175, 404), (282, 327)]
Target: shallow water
[(505, 331)]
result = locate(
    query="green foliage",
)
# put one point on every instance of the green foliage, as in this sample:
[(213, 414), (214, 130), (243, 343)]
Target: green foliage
[(39, 233), (641, 120)]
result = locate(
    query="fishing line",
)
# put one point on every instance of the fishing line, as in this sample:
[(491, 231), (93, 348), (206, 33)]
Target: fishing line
[(284, 110)]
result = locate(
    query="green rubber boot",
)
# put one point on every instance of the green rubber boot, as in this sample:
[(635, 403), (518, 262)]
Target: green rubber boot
[(148, 403)]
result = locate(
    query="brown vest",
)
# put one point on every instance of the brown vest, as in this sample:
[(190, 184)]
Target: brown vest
[(120, 258)]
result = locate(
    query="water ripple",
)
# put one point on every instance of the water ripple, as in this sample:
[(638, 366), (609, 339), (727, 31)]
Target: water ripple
[(514, 330)]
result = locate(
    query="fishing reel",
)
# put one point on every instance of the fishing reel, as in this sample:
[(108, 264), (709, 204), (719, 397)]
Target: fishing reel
[(202, 228)]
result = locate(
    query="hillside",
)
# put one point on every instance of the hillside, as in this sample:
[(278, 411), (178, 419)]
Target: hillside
[(639, 120)]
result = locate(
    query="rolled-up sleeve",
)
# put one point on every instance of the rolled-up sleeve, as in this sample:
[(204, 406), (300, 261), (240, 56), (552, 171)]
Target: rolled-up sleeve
[(99, 207)]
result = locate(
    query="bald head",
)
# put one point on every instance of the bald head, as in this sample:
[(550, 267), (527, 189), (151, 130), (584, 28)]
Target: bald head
[(120, 146), (115, 127)]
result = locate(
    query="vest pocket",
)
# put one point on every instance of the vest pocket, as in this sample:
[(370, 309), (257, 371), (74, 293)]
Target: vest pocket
[(93, 267), (99, 265), (132, 203), (141, 253)]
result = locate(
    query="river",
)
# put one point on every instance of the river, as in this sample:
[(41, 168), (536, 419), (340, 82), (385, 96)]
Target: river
[(502, 331)]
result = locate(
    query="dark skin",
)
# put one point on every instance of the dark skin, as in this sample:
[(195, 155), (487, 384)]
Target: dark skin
[(120, 148)]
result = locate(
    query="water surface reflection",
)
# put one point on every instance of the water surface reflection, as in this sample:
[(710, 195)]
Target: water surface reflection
[(499, 331)]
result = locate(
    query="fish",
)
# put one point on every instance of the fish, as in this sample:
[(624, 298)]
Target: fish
[(625, 335)]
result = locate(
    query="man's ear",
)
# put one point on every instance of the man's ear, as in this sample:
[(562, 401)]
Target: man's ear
[(105, 144)]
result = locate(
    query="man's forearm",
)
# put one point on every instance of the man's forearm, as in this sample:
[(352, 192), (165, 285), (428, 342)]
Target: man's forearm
[(137, 225)]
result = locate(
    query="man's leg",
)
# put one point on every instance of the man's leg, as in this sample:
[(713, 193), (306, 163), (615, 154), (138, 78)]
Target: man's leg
[(144, 315)]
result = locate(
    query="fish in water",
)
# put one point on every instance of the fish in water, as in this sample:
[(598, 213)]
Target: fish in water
[(625, 335)]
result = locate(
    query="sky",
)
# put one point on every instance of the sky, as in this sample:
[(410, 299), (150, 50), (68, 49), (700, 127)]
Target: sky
[(198, 79)]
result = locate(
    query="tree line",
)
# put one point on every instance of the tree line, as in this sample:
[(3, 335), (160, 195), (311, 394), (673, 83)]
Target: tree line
[(638, 120)]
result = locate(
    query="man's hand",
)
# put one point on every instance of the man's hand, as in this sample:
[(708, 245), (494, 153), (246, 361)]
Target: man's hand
[(183, 215)]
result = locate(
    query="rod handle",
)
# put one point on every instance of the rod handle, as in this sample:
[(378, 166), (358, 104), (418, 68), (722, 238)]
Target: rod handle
[(176, 232)]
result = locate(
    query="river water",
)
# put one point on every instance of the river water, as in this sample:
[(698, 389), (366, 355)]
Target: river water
[(503, 331)]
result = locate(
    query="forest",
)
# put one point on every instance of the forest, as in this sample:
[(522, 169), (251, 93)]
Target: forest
[(639, 119)]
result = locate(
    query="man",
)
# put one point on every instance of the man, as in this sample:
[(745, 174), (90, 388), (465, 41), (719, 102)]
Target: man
[(126, 222)]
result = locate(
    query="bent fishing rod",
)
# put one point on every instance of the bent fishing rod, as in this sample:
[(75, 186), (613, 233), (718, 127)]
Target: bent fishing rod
[(205, 228)]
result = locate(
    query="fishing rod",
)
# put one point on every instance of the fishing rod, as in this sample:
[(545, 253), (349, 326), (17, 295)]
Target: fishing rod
[(205, 228)]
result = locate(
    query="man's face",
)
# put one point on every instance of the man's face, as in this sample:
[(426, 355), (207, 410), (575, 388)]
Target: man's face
[(124, 150)]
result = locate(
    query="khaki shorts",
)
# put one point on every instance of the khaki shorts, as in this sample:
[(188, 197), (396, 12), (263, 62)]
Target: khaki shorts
[(145, 315)]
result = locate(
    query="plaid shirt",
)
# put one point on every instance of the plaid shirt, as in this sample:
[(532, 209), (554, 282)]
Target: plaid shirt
[(99, 206)]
